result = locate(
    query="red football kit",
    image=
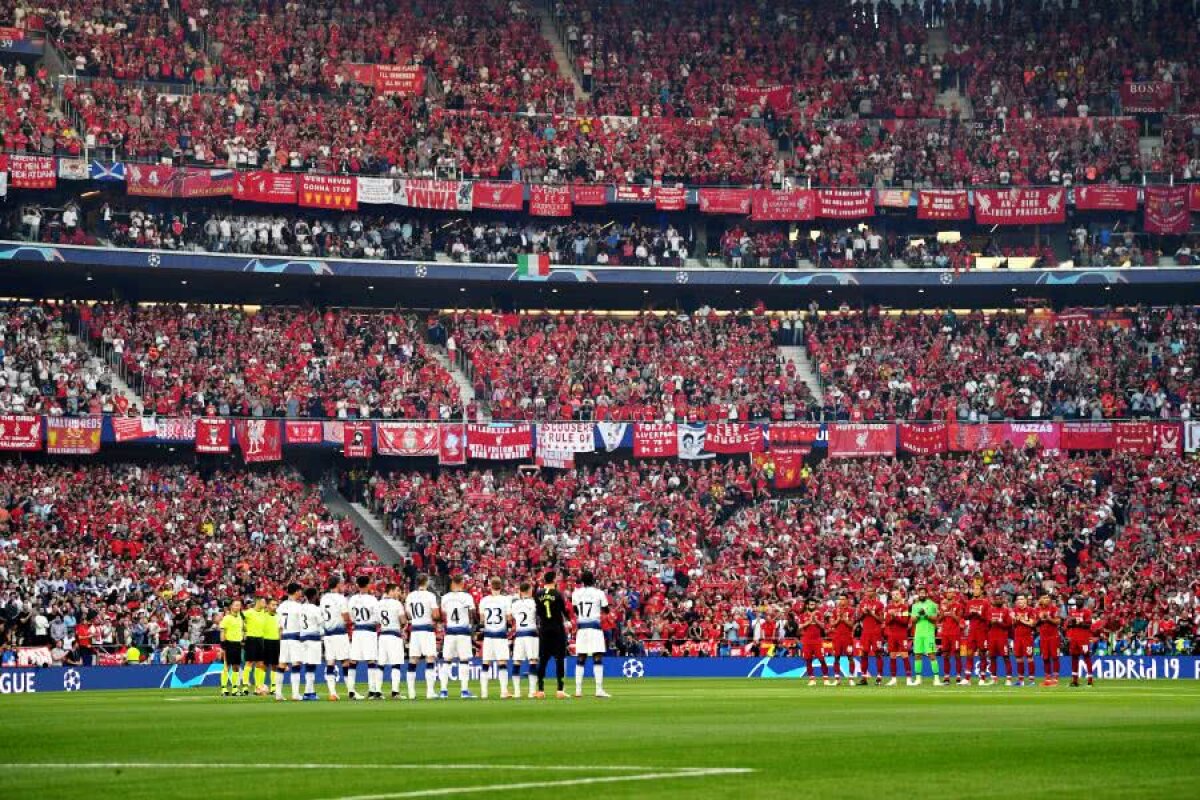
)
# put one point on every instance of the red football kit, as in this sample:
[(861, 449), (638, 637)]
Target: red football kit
[(842, 620), (1000, 624), (950, 622), (1024, 620), (812, 640), (897, 627), (1047, 628), (870, 611), (978, 615), (1079, 630)]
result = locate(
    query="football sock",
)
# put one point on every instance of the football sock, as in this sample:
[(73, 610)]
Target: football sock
[(350, 678), (277, 684), (331, 678), (295, 676), (464, 674), (430, 679), (412, 681), (396, 679), (503, 673), (444, 676), (598, 674), (310, 679), (579, 679)]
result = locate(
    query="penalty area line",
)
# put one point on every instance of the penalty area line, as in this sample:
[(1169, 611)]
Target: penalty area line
[(178, 765), (556, 784)]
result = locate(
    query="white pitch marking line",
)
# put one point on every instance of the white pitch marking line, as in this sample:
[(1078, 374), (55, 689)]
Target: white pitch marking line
[(341, 766), (512, 787)]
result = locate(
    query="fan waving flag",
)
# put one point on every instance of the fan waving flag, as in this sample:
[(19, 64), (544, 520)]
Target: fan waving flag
[(533, 265)]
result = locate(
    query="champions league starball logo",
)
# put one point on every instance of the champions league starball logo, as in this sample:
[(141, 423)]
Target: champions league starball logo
[(72, 681), (632, 668)]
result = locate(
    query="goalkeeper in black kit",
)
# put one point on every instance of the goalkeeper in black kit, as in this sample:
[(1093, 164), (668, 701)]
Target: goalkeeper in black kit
[(552, 622)]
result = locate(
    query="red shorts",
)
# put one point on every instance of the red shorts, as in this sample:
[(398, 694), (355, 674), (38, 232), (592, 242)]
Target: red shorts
[(1022, 646), (869, 642), (897, 642), (950, 642), (997, 645), (843, 646), (812, 649), (1050, 647), (1078, 645), (977, 639)]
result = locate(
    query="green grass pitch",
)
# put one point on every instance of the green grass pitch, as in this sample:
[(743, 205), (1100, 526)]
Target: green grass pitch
[(656, 738)]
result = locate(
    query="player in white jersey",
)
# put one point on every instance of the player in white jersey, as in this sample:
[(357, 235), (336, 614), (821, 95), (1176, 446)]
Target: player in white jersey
[(291, 655), (589, 603), (337, 644), (364, 644), (525, 640), (313, 624), (495, 613), (391, 635), (457, 609), (421, 607)]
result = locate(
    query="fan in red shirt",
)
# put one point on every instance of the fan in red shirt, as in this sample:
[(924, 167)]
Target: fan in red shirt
[(952, 609), (975, 645), (897, 618), (1024, 619), (999, 631), (842, 621), (870, 639), (1047, 627), (812, 640), (1079, 639)]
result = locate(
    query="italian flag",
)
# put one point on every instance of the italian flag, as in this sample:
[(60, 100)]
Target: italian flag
[(533, 265)]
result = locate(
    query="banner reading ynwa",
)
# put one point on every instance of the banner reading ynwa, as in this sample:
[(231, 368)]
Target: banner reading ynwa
[(260, 186), (1167, 210), (734, 437), (212, 435), (796, 204), (655, 440), (329, 191), (406, 439), (725, 201), (1147, 97), (854, 440), (924, 439), (20, 432), (260, 440), (1020, 206), (498, 196), (947, 204), (356, 440), (435, 194), (500, 442), (73, 435), (845, 203), (550, 201), (1106, 198)]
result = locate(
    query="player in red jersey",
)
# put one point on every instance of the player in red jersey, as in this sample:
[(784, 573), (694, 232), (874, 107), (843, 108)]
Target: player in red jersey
[(1079, 639), (841, 620), (897, 619), (1047, 628), (975, 645), (1024, 619), (870, 639), (812, 640), (952, 611), (999, 631)]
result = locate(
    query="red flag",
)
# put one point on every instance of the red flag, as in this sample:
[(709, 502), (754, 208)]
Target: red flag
[(851, 440), (1088, 436), (303, 432), (212, 435), (796, 204), (845, 203), (452, 444), (725, 201), (924, 439), (329, 191), (73, 435), (32, 172), (549, 201), (794, 435), (633, 193), (260, 186), (943, 205), (260, 440), (590, 195), (1167, 210), (498, 196), (1020, 206), (356, 439), (735, 437), (1106, 198), (20, 432), (1168, 438), (655, 440), (1046, 436), (406, 438), (670, 198), (971, 438), (500, 442), (127, 429), (781, 469), (399, 79), (1147, 97)]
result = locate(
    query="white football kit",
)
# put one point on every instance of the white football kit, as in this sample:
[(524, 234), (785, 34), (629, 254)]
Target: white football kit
[(311, 618), (337, 643), (494, 611), (422, 641), (525, 643), (456, 612), (364, 613), (391, 632), (588, 602), (291, 649)]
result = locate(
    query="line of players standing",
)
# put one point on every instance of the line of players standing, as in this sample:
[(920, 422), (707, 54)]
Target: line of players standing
[(960, 630), (395, 634)]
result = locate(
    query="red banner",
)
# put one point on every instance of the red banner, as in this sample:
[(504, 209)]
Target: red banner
[(633, 194), (260, 186), (893, 198), (73, 435), (590, 196), (943, 205), (854, 440), (782, 469), (403, 80), (788, 435), (452, 444), (20, 432), (260, 440), (12, 34), (777, 98), (128, 429), (303, 432), (1194, 197), (1148, 438), (159, 180), (498, 196), (1088, 436), (924, 440), (845, 203), (734, 437), (406, 439), (797, 204), (670, 198), (435, 194), (971, 438), (1106, 198), (32, 172), (500, 442), (549, 201), (1167, 210), (329, 191), (1046, 436), (1147, 97), (175, 429), (1020, 206), (726, 201), (212, 435), (655, 440), (356, 439)]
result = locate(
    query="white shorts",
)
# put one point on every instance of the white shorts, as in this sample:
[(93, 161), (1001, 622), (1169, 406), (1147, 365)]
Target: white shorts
[(422, 644), (364, 646), (495, 650), (391, 650), (457, 647), (525, 648), (337, 647), (291, 651), (589, 641), (312, 652)]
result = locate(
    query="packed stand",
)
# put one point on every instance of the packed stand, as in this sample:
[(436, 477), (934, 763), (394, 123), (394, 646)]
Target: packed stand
[(43, 369), (651, 367), (278, 361), (1009, 365)]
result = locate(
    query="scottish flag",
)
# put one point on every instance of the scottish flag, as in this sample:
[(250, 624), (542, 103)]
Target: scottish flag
[(110, 171)]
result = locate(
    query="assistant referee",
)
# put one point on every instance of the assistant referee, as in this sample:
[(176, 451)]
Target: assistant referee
[(233, 635), (552, 633)]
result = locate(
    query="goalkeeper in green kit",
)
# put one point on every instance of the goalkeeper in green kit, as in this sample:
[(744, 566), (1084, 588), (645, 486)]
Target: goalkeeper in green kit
[(924, 613)]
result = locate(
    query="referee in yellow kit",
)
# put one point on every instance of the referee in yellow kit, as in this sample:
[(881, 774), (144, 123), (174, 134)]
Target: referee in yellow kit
[(270, 653), (233, 637), (254, 670)]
